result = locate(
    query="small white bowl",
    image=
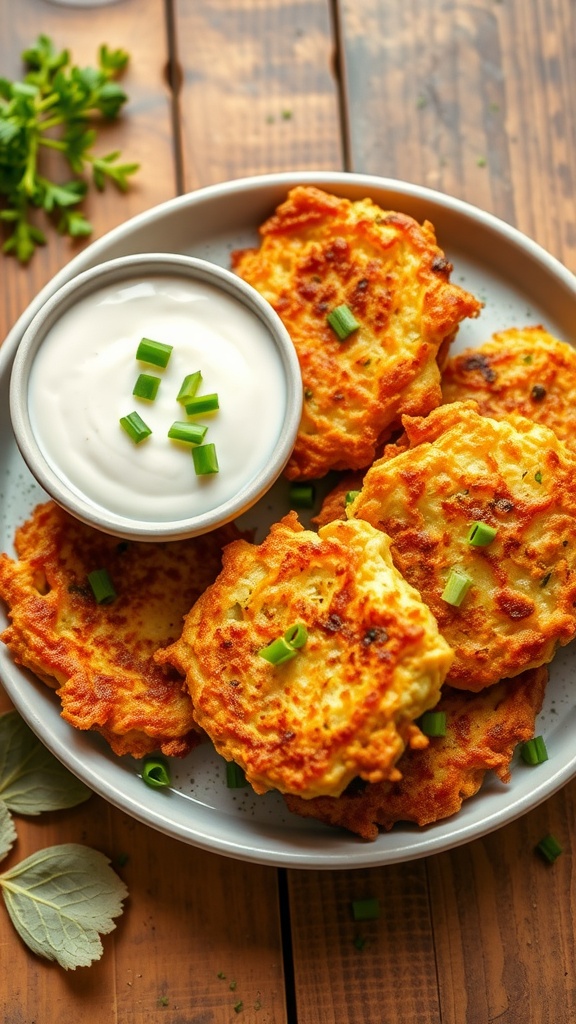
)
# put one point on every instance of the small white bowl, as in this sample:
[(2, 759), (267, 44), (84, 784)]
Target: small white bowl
[(72, 381)]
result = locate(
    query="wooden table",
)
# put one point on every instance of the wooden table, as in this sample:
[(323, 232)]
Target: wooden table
[(474, 99)]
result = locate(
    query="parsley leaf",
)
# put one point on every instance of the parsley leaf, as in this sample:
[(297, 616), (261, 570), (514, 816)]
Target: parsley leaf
[(61, 900), (32, 780), (56, 106)]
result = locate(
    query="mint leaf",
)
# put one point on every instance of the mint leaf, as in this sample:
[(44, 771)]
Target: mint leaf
[(32, 780), (7, 831), (61, 900)]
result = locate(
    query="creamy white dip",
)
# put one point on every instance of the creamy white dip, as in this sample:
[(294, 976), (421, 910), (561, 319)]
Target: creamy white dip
[(82, 379)]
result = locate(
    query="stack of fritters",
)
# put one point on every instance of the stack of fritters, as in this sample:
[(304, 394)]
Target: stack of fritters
[(345, 704), (335, 728), (99, 657), (319, 252)]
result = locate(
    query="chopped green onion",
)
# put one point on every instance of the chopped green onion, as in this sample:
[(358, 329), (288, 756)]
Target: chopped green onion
[(146, 387), (155, 772), (201, 403), (538, 477), (102, 586), (155, 352), (205, 459), (534, 751), (457, 586), (279, 651), (350, 497), (550, 848), (235, 777), (302, 495), (433, 723), (366, 910), (189, 387), (285, 647), (480, 534), (343, 322), (135, 427), (192, 433), (296, 635)]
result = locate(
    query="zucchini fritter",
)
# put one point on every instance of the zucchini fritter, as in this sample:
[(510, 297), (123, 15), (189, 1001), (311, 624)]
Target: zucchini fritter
[(482, 730), (516, 476), (524, 370), (345, 704), (319, 252), (99, 657)]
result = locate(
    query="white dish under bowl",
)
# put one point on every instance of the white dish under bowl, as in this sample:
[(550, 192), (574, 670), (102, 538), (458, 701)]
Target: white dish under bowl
[(520, 284)]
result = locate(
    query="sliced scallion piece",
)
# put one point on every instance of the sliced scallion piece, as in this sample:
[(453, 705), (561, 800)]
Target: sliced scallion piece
[(284, 648), (146, 386), (155, 772), (189, 387), (350, 497), (102, 586), (480, 534), (154, 352), (549, 848), (343, 322), (278, 652), (302, 495), (192, 433), (366, 910), (296, 635), (534, 751), (235, 777), (205, 459), (135, 427), (201, 404), (433, 723), (457, 586)]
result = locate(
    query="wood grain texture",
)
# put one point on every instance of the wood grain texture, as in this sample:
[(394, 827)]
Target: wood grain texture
[(258, 91), (473, 99), (364, 972), (143, 132)]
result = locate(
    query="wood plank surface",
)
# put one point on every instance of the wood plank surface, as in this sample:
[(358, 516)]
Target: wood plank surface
[(259, 94)]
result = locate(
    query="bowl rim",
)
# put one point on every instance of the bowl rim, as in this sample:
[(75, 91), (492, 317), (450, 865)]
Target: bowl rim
[(114, 271)]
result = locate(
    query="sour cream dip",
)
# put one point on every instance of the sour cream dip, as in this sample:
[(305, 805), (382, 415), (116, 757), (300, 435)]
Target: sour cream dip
[(78, 368)]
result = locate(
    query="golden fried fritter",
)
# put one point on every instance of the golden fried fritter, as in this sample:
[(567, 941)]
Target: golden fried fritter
[(515, 476), (524, 370), (100, 656), (320, 252), (482, 730), (345, 704)]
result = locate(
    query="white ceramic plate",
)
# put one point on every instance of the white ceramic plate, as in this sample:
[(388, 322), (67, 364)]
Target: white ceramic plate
[(520, 284)]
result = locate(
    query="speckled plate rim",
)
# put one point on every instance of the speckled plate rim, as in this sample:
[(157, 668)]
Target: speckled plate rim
[(530, 285)]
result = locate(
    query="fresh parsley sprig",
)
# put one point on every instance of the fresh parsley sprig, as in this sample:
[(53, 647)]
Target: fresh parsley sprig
[(56, 107)]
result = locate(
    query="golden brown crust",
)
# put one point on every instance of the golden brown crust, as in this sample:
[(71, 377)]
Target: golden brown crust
[(523, 370), (482, 731), (319, 251), (345, 705), (517, 477), (100, 657)]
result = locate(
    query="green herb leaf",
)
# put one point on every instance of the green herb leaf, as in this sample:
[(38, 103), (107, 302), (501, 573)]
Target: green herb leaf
[(7, 831), (61, 900), (54, 107), (32, 780)]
